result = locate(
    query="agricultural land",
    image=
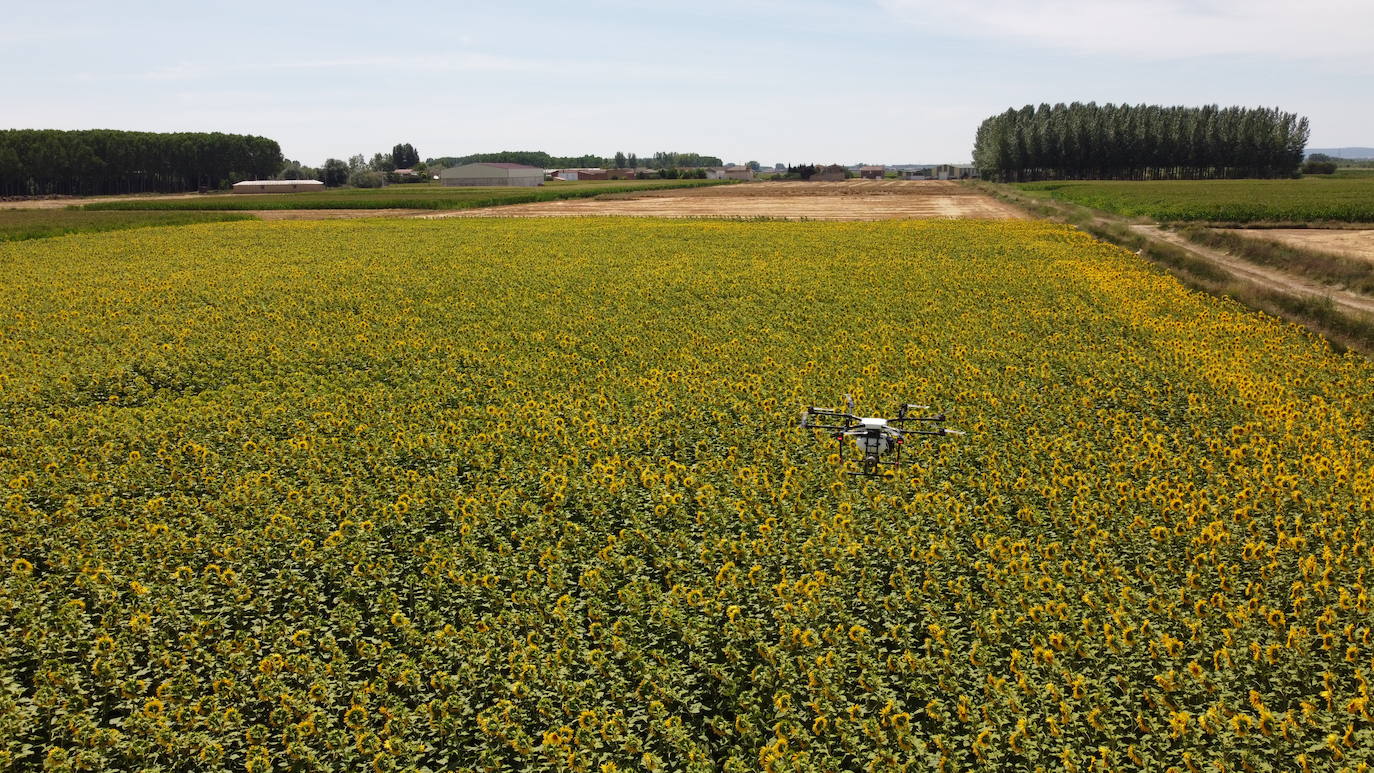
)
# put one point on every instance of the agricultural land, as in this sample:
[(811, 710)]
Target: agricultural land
[(848, 200), (394, 197), (1348, 198), (529, 494)]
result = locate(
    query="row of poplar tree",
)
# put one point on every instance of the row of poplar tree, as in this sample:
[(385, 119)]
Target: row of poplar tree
[(1138, 142), (35, 162)]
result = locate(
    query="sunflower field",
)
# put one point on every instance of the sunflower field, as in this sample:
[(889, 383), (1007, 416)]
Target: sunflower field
[(530, 495)]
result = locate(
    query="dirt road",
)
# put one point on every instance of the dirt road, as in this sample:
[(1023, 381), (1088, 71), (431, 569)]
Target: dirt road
[(1261, 276), (63, 202), (848, 200), (1353, 243)]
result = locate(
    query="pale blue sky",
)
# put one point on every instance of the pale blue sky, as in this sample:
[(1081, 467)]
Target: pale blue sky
[(890, 81)]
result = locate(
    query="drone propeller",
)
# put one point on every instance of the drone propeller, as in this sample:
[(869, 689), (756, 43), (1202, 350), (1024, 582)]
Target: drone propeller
[(948, 431)]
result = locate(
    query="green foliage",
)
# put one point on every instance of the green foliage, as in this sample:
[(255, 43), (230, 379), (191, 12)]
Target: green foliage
[(660, 160), (22, 224), (404, 156), (367, 179), (422, 196), (100, 161), (1088, 141), (1319, 167), (334, 173), (1347, 198), (529, 495)]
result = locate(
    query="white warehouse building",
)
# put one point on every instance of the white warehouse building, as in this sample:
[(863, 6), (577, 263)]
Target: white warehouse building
[(492, 174), (278, 186)]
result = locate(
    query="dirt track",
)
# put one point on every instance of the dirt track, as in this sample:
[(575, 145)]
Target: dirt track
[(849, 200), (62, 202), (1354, 243), (1263, 276)]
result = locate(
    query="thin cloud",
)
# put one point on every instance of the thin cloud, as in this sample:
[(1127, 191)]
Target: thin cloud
[(1160, 29), (427, 64)]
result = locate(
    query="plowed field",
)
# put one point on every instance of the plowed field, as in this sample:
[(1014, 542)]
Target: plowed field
[(848, 200)]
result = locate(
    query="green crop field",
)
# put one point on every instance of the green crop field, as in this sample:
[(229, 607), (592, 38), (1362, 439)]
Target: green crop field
[(1340, 197), (21, 224), (402, 196), (528, 495)]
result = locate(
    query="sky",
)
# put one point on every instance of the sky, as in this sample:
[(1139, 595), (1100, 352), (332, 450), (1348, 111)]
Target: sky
[(776, 81)]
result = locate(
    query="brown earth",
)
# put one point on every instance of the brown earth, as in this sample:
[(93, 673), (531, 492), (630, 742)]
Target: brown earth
[(848, 200), (1263, 276), (1354, 243), (62, 202)]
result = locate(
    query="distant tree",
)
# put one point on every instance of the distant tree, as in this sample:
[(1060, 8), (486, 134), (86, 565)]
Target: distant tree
[(106, 161), (382, 162), (632, 161), (619, 160), (357, 163), (754, 166), (404, 156), (1138, 142), (367, 178), (1319, 167), (334, 173), (779, 167)]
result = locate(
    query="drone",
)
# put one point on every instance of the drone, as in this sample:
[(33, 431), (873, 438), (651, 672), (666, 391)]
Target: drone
[(874, 437)]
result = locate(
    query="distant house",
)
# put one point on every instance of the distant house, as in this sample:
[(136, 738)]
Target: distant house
[(278, 186), (492, 173), (915, 174), (954, 172), (715, 172), (584, 173), (872, 172), (738, 173)]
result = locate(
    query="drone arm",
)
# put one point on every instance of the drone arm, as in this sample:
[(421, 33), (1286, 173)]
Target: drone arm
[(900, 418)]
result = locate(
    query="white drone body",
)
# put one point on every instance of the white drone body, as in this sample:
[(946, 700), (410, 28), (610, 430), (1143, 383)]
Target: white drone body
[(874, 437)]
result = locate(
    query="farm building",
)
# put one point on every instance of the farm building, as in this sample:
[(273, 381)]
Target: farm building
[(739, 173), (492, 174), (277, 186), (872, 172), (581, 173), (954, 172)]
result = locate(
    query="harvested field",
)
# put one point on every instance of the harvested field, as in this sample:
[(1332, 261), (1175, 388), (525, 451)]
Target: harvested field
[(327, 214), (848, 200), (1352, 243)]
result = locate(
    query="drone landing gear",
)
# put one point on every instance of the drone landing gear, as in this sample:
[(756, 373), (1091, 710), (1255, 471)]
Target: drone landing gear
[(873, 437)]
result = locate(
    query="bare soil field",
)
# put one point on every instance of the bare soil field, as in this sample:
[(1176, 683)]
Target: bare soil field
[(848, 200), (1353, 243), (1264, 276), (62, 202)]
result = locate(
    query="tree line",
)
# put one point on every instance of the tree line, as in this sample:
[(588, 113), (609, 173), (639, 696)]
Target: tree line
[(38, 162), (621, 160), (1138, 142)]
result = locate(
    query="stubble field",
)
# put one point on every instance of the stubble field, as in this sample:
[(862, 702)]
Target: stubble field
[(505, 494), (848, 200)]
